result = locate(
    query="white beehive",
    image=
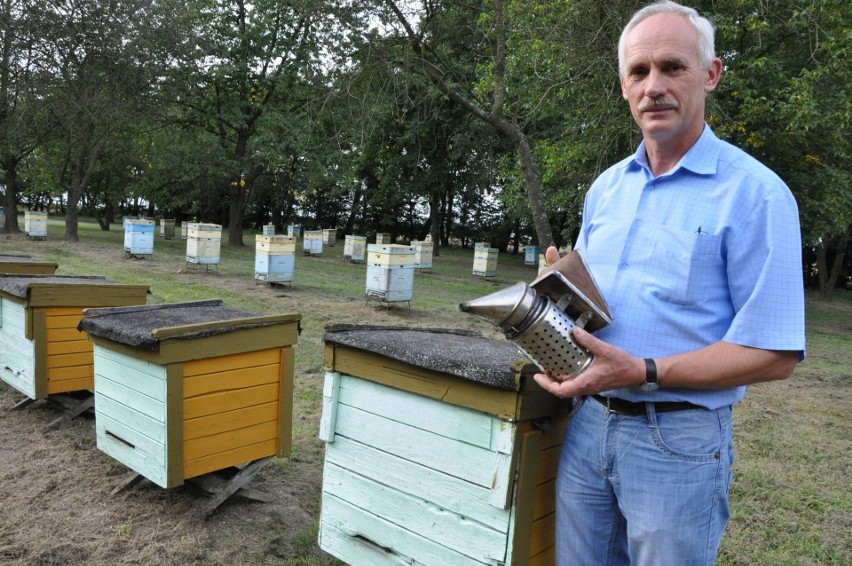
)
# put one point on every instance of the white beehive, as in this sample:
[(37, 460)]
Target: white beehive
[(138, 236), (35, 224), (312, 243), (485, 262), (354, 248), (275, 258), (203, 242)]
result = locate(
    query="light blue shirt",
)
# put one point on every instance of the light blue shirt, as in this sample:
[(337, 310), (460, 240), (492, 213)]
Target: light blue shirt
[(708, 251)]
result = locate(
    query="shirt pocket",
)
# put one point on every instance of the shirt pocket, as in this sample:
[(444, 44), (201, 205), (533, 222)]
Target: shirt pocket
[(687, 267)]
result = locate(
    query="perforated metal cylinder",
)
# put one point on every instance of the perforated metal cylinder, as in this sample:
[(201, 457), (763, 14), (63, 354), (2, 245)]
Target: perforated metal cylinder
[(547, 341)]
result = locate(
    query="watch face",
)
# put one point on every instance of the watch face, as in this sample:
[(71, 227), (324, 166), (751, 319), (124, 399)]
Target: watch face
[(650, 386)]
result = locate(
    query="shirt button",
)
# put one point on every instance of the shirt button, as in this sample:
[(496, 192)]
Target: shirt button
[(623, 266)]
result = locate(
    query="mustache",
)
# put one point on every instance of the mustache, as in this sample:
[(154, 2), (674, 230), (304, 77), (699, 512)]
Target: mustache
[(659, 102)]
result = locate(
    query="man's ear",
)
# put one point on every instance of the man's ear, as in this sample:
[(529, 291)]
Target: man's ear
[(713, 74)]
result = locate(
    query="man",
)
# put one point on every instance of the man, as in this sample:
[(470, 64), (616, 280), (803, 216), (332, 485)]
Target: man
[(696, 247)]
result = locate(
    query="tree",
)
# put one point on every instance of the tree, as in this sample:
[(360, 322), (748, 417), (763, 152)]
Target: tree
[(21, 117), (253, 56), (785, 99)]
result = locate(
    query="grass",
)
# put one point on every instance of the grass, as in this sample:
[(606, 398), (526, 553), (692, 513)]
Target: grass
[(791, 502)]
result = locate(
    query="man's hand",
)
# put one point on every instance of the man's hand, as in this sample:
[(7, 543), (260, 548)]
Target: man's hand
[(611, 368)]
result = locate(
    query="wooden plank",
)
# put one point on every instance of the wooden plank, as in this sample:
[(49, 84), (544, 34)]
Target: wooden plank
[(67, 360), (444, 419), (546, 557), (366, 528), (530, 445), (285, 401), (230, 440), (244, 377), (229, 400), (220, 422), (39, 355), (357, 551), (120, 392), (64, 335), (459, 459), (545, 499), (134, 450), (85, 295), (130, 417), (437, 385), (330, 397), (145, 379), (223, 460), (69, 385), (168, 332), (420, 481), (543, 534), (231, 362), (72, 347), (452, 531), (174, 424), (62, 373)]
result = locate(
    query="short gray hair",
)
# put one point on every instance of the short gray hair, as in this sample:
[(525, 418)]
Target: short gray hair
[(706, 49)]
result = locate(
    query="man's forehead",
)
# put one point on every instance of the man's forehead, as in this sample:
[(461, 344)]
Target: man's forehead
[(662, 37)]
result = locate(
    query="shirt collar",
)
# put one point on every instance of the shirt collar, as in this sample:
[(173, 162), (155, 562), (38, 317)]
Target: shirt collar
[(701, 159)]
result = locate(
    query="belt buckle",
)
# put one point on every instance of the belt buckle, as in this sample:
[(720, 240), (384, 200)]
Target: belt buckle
[(611, 409)]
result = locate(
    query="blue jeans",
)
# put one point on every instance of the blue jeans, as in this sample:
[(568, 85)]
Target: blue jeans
[(644, 490)]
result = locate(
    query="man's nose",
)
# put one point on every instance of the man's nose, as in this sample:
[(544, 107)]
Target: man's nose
[(655, 84)]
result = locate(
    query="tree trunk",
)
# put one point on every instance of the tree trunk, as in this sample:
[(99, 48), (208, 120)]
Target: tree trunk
[(828, 277), (435, 224), (11, 208)]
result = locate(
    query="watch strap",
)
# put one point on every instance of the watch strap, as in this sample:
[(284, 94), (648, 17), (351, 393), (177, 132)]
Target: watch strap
[(650, 371)]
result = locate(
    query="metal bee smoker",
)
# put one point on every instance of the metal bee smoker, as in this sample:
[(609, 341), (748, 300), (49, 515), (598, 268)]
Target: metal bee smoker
[(539, 317)]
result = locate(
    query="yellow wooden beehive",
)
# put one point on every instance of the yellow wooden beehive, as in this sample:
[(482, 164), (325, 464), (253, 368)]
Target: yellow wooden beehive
[(190, 388), (41, 350)]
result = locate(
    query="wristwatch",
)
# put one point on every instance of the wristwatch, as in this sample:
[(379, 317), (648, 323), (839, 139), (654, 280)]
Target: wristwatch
[(651, 383)]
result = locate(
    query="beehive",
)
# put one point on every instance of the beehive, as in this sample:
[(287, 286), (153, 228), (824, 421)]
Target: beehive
[(269, 229), (390, 272), (25, 265), (186, 389), (35, 224), (531, 254), (203, 243), (312, 242), (41, 351), (383, 238), (329, 236), (275, 258), (485, 262), (167, 228), (294, 231), (138, 236), (440, 449), (423, 255), (354, 247)]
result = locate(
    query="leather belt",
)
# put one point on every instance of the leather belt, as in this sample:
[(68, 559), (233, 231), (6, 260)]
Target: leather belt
[(622, 407)]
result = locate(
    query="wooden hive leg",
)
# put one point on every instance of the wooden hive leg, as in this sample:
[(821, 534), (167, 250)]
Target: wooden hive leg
[(129, 481), (239, 480), (21, 404), (72, 412)]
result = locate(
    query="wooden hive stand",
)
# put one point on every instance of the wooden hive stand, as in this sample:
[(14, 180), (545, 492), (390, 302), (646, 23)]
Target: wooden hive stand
[(190, 389)]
